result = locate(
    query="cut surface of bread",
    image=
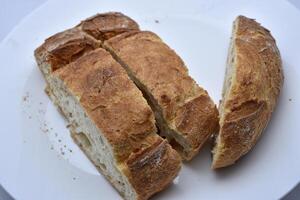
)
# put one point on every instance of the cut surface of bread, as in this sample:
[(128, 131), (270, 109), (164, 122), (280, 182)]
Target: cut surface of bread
[(113, 124), (252, 84), (185, 113)]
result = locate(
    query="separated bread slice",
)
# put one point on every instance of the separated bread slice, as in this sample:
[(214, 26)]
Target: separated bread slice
[(67, 46), (252, 84), (185, 113), (113, 124)]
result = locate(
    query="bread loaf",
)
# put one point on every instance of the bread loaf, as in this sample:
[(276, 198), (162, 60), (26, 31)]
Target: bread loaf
[(109, 118)]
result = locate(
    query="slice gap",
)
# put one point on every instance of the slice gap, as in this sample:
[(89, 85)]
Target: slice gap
[(175, 140)]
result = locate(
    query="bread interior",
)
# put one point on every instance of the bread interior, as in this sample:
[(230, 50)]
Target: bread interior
[(90, 138), (228, 79)]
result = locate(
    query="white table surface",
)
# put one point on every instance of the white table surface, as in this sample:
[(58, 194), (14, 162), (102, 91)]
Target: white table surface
[(13, 11)]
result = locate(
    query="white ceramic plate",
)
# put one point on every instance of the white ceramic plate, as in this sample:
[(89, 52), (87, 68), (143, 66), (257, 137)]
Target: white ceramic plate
[(38, 160)]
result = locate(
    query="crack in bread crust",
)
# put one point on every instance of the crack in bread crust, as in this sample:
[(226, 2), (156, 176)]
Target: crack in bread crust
[(67, 46), (108, 25), (183, 110)]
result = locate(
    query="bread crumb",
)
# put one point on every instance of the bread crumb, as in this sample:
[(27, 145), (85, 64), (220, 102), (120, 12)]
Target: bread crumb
[(26, 96), (41, 111), (68, 126)]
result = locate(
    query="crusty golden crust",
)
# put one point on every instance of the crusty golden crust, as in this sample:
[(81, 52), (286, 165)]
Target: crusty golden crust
[(255, 86), (152, 169), (65, 47), (194, 117), (261, 38), (106, 25), (118, 109), (186, 107)]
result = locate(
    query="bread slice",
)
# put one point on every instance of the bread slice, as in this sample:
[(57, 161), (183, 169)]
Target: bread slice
[(185, 113), (253, 80), (113, 124)]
